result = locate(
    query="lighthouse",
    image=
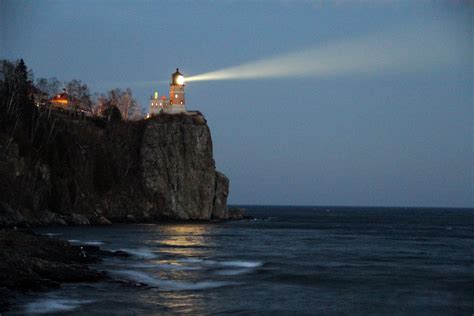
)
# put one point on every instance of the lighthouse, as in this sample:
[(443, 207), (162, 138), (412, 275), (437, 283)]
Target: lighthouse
[(177, 101)]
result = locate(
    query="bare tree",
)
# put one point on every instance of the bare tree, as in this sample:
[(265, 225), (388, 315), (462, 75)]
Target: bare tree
[(50, 86), (79, 95), (124, 101)]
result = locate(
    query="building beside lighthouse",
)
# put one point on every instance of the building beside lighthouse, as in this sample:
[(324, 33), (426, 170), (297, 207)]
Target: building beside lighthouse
[(176, 103)]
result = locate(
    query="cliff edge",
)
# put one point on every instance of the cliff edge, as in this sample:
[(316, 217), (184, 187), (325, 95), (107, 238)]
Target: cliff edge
[(73, 171), (178, 170)]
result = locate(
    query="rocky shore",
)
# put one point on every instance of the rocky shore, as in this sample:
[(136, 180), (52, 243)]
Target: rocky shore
[(32, 262)]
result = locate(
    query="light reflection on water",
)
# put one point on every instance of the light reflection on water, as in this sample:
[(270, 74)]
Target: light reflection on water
[(185, 240), (183, 302), (180, 248)]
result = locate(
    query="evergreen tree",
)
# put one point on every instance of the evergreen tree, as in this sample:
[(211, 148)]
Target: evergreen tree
[(14, 86)]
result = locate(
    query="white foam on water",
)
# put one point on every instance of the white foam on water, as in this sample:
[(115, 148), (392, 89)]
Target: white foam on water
[(230, 263), (137, 276), (167, 266), (144, 253), (233, 272), (75, 241), (52, 234), (178, 267), (54, 305), (169, 285), (240, 263), (93, 243)]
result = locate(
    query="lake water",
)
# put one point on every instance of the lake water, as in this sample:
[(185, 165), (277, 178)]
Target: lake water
[(292, 260)]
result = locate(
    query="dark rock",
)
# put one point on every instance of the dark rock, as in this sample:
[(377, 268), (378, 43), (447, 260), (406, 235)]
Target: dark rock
[(29, 261), (219, 209), (43, 187), (34, 262), (130, 171), (78, 219), (6, 297), (10, 217), (50, 218), (236, 213), (199, 120), (103, 221), (178, 170), (130, 218)]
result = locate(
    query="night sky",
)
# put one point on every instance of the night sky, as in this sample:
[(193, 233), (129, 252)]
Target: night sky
[(402, 137)]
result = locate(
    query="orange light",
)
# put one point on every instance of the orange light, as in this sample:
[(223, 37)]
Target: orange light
[(61, 101)]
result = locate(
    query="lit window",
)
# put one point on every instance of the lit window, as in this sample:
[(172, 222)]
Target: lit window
[(181, 102), (176, 96)]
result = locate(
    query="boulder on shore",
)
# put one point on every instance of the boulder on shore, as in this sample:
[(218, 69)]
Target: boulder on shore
[(78, 219), (237, 213), (50, 218), (103, 221)]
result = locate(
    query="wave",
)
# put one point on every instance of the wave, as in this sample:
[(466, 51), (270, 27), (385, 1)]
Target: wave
[(54, 305), (168, 266), (243, 264), (230, 263), (229, 272), (93, 243), (89, 243), (169, 285), (52, 234), (224, 268), (144, 253)]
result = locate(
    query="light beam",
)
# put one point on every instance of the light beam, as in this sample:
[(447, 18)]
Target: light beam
[(412, 50)]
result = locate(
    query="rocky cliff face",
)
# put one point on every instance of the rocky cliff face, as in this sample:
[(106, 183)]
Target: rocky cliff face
[(80, 172), (178, 171)]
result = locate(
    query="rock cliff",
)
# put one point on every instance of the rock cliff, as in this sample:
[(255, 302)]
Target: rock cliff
[(178, 171), (80, 172)]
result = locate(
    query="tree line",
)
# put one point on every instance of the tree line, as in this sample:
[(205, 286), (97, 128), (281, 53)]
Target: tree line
[(16, 80)]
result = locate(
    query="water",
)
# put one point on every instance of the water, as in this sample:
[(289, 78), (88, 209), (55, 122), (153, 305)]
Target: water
[(303, 260)]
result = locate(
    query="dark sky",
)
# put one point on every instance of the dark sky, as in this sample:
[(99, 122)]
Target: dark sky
[(397, 138)]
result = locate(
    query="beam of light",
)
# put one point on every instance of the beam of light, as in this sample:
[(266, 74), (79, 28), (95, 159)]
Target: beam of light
[(413, 50)]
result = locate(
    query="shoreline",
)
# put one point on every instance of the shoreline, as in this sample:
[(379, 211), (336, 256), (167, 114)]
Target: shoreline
[(56, 220), (32, 262)]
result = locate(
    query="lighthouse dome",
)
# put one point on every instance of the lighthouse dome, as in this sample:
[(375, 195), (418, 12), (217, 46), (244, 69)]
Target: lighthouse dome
[(177, 78)]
